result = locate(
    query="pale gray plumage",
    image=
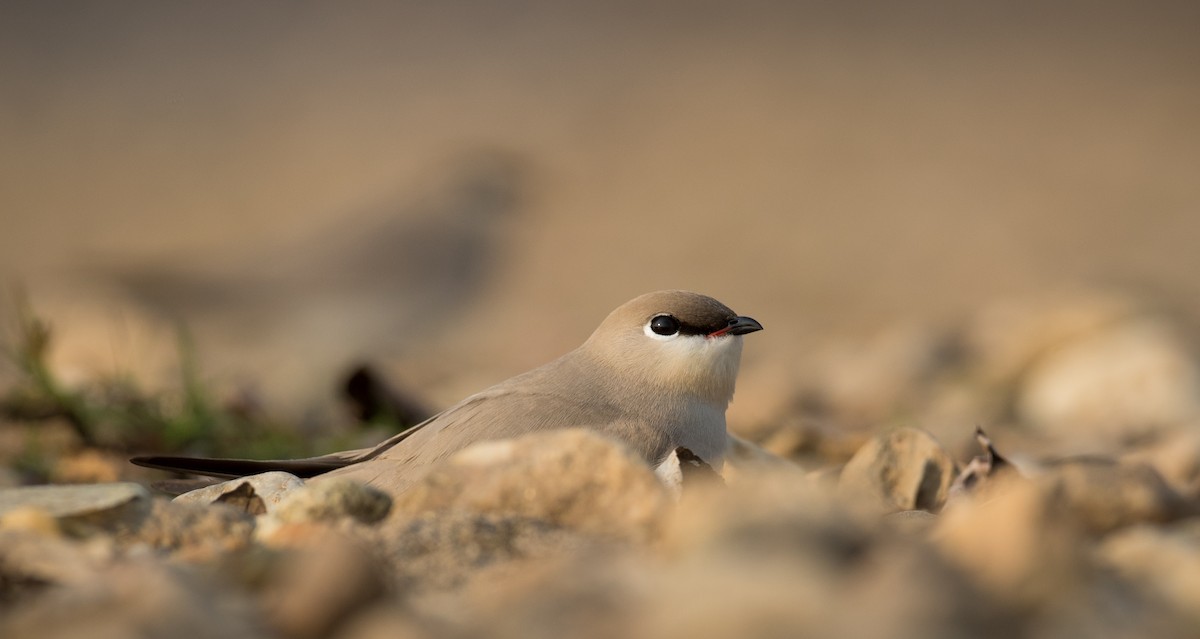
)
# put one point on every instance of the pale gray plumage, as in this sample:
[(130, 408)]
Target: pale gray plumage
[(651, 391)]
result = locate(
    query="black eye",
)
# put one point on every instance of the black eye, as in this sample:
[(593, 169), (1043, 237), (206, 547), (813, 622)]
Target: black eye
[(664, 325)]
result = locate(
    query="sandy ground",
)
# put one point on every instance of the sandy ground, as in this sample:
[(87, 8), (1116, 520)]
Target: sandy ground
[(945, 216), (466, 190)]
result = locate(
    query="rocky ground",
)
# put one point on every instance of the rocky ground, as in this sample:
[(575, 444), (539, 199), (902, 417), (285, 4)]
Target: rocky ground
[(1075, 511), (218, 210)]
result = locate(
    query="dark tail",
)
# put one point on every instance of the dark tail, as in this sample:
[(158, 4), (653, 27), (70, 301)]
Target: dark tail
[(233, 468)]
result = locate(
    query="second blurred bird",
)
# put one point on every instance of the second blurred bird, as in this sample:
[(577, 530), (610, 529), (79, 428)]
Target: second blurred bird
[(326, 301)]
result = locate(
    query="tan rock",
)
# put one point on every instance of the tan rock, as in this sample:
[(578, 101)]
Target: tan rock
[(389, 622), (276, 535), (713, 599), (319, 509), (776, 557), (31, 519), (190, 531), (332, 500), (585, 594), (1162, 560), (1113, 385), (84, 509), (1023, 539), (910, 522), (1012, 540), (826, 478), (770, 514), (269, 489), (31, 560), (321, 585), (1101, 494), (1176, 457), (903, 469), (135, 599), (757, 555), (574, 478), (124, 514), (441, 550)]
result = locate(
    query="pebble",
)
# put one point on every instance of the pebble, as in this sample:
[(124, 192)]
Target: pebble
[(1113, 385), (266, 491), (1162, 560), (81, 509), (575, 478), (902, 469)]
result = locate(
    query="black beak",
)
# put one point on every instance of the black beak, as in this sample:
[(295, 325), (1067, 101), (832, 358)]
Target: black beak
[(738, 326)]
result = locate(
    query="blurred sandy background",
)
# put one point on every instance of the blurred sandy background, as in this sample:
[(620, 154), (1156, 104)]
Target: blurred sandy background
[(465, 189)]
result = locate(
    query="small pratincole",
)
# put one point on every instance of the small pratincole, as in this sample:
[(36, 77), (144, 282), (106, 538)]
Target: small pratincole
[(657, 374)]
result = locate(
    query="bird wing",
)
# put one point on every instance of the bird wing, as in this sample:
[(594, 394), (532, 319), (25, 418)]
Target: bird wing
[(498, 413)]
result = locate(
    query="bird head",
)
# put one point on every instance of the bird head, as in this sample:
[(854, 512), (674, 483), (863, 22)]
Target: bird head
[(675, 342)]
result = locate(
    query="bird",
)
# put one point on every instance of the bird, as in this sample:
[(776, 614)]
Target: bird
[(336, 288), (657, 375)]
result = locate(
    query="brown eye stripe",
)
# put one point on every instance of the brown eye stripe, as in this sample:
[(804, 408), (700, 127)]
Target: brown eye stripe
[(706, 328), (690, 329)]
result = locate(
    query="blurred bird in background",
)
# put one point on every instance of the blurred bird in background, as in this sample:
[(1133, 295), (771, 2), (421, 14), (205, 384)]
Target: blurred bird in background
[(368, 285)]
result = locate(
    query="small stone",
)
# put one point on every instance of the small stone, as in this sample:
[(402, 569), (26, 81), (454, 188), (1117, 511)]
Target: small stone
[(911, 522), (768, 556), (904, 469), (1012, 540), (30, 519), (133, 599), (1176, 457), (244, 498), (190, 531), (82, 510), (1103, 494), (255, 494), (390, 622), (1163, 560), (768, 516), (30, 561), (1113, 385), (320, 585), (332, 500), (573, 478), (444, 550), (826, 478), (589, 593)]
